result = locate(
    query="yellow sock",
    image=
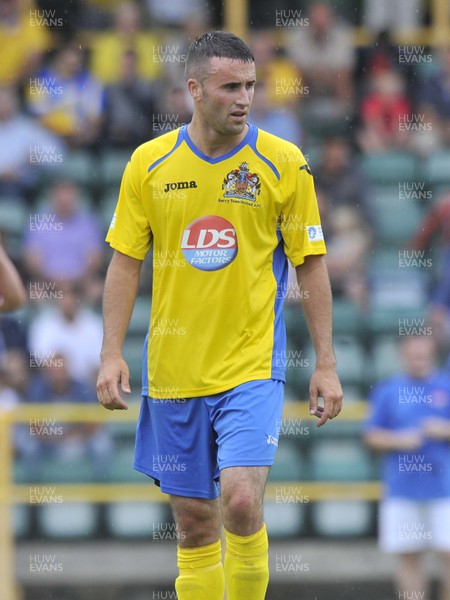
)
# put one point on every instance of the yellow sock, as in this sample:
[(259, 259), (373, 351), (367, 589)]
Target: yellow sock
[(200, 573), (247, 565)]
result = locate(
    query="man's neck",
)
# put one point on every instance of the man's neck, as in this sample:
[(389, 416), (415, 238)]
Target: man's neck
[(210, 142)]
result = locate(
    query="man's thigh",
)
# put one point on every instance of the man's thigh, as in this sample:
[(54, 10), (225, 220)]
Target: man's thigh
[(247, 422), (233, 479)]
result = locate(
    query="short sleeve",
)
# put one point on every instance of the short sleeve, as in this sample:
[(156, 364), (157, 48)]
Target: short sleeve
[(130, 231), (300, 220)]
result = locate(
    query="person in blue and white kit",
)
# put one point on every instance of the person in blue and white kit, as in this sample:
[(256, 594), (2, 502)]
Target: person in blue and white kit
[(410, 422)]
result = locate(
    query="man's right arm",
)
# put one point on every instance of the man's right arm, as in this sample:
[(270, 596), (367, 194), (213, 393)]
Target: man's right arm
[(386, 440), (121, 286)]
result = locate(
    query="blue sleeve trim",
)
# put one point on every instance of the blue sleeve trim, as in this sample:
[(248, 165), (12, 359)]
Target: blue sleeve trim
[(178, 142), (269, 163)]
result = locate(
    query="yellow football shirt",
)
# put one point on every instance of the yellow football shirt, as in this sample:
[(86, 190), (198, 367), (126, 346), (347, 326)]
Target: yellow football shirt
[(222, 230)]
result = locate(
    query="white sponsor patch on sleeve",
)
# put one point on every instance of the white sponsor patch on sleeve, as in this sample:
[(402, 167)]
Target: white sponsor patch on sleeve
[(315, 233), (113, 221)]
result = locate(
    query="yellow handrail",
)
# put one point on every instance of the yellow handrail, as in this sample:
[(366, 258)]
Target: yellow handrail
[(7, 583), (92, 413)]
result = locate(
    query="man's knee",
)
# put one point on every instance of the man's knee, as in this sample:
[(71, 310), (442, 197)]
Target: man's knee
[(241, 503), (198, 521), (242, 499)]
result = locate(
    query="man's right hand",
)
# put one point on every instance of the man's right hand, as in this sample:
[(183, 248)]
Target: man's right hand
[(113, 371)]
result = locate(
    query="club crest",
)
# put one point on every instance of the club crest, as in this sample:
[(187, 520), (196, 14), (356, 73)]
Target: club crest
[(240, 183)]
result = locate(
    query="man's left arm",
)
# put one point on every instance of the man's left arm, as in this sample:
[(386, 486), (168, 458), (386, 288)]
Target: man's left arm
[(312, 277)]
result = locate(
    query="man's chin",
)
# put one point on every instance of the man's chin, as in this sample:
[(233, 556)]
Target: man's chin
[(235, 128)]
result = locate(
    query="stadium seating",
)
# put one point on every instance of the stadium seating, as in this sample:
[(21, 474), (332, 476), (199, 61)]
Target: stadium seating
[(289, 464), (63, 470), (13, 215), (137, 519), (132, 352), (437, 168), (122, 467), (350, 357), (347, 319), (284, 519), (141, 316), (396, 219), (67, 520), (112, 165), (389, 167), (385, 359), (340, 460), (79, 166), (334, 518), (21, 520)]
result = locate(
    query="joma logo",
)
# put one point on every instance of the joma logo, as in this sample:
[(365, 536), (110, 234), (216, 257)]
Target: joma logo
[(180, 185)]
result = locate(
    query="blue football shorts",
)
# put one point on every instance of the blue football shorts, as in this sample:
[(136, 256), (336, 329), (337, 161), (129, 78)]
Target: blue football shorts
[(183, 444)]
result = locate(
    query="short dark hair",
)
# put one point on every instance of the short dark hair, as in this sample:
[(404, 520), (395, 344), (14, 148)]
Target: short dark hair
[(215, 43)]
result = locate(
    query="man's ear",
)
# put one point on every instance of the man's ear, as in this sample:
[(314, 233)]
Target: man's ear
[(195, 89)]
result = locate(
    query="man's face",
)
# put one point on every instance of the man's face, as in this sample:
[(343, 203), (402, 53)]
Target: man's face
[(418, 356), (65, 199), (224, 97)]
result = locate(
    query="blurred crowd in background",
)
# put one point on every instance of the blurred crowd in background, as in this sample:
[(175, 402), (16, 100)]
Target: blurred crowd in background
[(82, 83)]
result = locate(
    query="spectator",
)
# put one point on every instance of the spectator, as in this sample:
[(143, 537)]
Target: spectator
[(68, 15), (324, 53), (174, 110), (9, 400), (25, 145), (108, 47), (176, 12), (66, 441), (16, 365), (24, 41), (436, 226), (8, 397), (68, 100), (282, 122), (129, 106), (284, 85), (72, 329), (385, 55), (348, 249), (12, 292), (341, 179), (410, 422), (172, 49), (382, 113), (435, 98), (393, 14), (64, 243)]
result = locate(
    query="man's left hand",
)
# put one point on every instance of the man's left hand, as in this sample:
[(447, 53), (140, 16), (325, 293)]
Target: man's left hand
[(325, 384)]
